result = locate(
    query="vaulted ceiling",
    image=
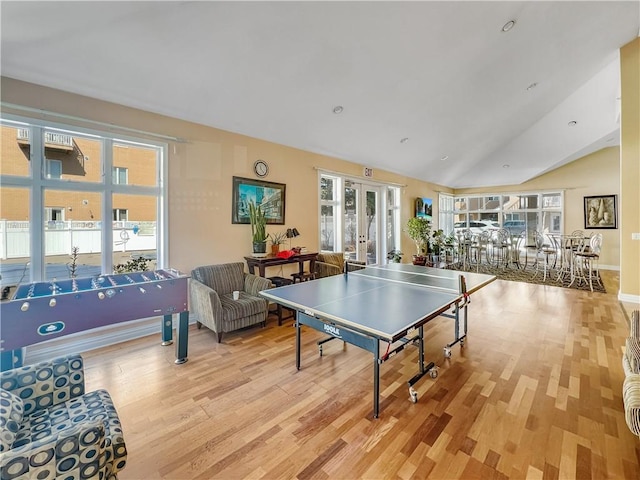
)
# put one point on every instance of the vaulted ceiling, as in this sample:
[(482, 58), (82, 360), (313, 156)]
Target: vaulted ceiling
[(433, 90)]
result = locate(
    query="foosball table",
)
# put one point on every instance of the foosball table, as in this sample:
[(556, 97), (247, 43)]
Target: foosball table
[(46, 310)]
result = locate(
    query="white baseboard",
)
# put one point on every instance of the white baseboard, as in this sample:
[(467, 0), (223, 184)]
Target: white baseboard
[(609, 267), (96, 338), (627, 298)]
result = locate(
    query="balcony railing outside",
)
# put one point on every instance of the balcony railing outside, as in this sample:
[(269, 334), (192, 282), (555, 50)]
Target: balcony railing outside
[(50, 138)]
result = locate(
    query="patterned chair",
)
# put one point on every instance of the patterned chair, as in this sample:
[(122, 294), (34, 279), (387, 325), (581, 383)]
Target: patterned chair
[(631, 385), (211, 300), (50, 428), (334, 263)]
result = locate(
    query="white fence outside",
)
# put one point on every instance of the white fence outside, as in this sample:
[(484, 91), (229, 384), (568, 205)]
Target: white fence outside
[(61, 237)]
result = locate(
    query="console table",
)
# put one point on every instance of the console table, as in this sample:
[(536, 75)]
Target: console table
[(272, 261)]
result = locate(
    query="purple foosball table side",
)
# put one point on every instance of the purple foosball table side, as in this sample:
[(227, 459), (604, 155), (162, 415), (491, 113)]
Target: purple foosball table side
[(43, 311)]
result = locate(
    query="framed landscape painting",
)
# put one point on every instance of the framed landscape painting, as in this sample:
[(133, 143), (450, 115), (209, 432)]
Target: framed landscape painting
[(424, 207), (600, 212), (269, 196)]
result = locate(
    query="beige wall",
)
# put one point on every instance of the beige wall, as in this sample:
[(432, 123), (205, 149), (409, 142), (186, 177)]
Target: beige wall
[(201, 171), (201, 168), (630, 170), (595, 174)]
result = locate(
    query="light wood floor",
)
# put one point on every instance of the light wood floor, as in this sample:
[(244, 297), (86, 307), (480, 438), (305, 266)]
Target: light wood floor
[(534, 393)]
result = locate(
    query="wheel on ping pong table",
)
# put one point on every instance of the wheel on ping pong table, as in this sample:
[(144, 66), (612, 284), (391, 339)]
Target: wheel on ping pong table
[(413, 395)]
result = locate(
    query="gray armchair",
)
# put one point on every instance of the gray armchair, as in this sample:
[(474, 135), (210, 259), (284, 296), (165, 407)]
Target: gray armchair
[(211, 300)]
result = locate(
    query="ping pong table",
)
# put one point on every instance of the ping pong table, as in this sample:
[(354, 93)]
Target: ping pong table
[(382, 303)]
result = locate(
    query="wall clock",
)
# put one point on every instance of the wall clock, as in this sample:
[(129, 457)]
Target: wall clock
[(261, 168)]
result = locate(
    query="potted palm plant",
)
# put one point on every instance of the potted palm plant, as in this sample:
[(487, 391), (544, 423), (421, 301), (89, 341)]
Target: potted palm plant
[(419, 229), (258, 229)]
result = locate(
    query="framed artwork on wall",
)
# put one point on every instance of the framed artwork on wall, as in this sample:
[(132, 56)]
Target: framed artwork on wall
[(268, 195), (600, 212), (424, 208)]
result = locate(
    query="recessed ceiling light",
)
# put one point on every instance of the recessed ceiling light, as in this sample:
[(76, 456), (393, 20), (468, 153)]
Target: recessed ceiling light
[(572, 123), (508, 26), (404, 140), (338, 109), (532, 86), (444, 157), (506, 165)]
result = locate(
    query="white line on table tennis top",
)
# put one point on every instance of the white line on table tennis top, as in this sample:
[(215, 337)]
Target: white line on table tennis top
[(371, 268)]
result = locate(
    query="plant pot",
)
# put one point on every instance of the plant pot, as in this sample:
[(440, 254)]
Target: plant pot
[(275, 249), (419, 260), (260, 248)]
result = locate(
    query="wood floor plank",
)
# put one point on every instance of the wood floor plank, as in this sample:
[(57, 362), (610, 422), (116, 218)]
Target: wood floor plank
[(534, 393)]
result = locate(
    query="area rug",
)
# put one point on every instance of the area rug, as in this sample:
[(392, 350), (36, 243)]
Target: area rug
[(514, 274)]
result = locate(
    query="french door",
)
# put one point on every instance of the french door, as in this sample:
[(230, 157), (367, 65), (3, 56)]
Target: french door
[(362, 237)]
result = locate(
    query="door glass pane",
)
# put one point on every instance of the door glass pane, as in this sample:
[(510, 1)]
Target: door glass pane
[(371, 226), (15, 238), (15, 151), (350, 223), (393, 242), (327, 228), (71, 156), (135, 242), (72, 220), (139, 163), (327, 188)]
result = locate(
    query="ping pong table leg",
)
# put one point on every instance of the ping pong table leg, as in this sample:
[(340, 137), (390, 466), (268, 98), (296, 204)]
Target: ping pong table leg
[(297, 342), (376, 379)]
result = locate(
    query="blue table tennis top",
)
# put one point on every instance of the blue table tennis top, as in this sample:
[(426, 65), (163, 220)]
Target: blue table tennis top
[(383, 301)]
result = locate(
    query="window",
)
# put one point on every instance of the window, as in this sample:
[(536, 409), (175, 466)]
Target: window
[(120, 175), (54, 169), (513, 212), (106, 216), (120, 214), (54, 214)]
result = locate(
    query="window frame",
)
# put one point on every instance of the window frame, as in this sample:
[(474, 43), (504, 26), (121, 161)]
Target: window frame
[(37, 183)]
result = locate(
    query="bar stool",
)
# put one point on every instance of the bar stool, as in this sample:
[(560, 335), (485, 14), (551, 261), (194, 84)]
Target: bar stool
[(280, 282), (587, 260), (545, 250), (302, 276)]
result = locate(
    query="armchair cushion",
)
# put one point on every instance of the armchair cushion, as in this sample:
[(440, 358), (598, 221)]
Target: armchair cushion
[(11, 411), (223, 278)]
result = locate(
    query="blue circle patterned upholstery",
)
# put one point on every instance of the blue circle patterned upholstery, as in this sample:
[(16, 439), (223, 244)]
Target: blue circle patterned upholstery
[(63, 432), (11, 413)]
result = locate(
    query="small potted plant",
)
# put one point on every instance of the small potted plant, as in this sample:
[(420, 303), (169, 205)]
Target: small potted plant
[(395, 256), (277, 239), (419, 230)]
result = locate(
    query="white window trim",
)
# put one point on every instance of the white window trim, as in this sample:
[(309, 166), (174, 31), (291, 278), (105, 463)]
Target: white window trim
[(38, 183)]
